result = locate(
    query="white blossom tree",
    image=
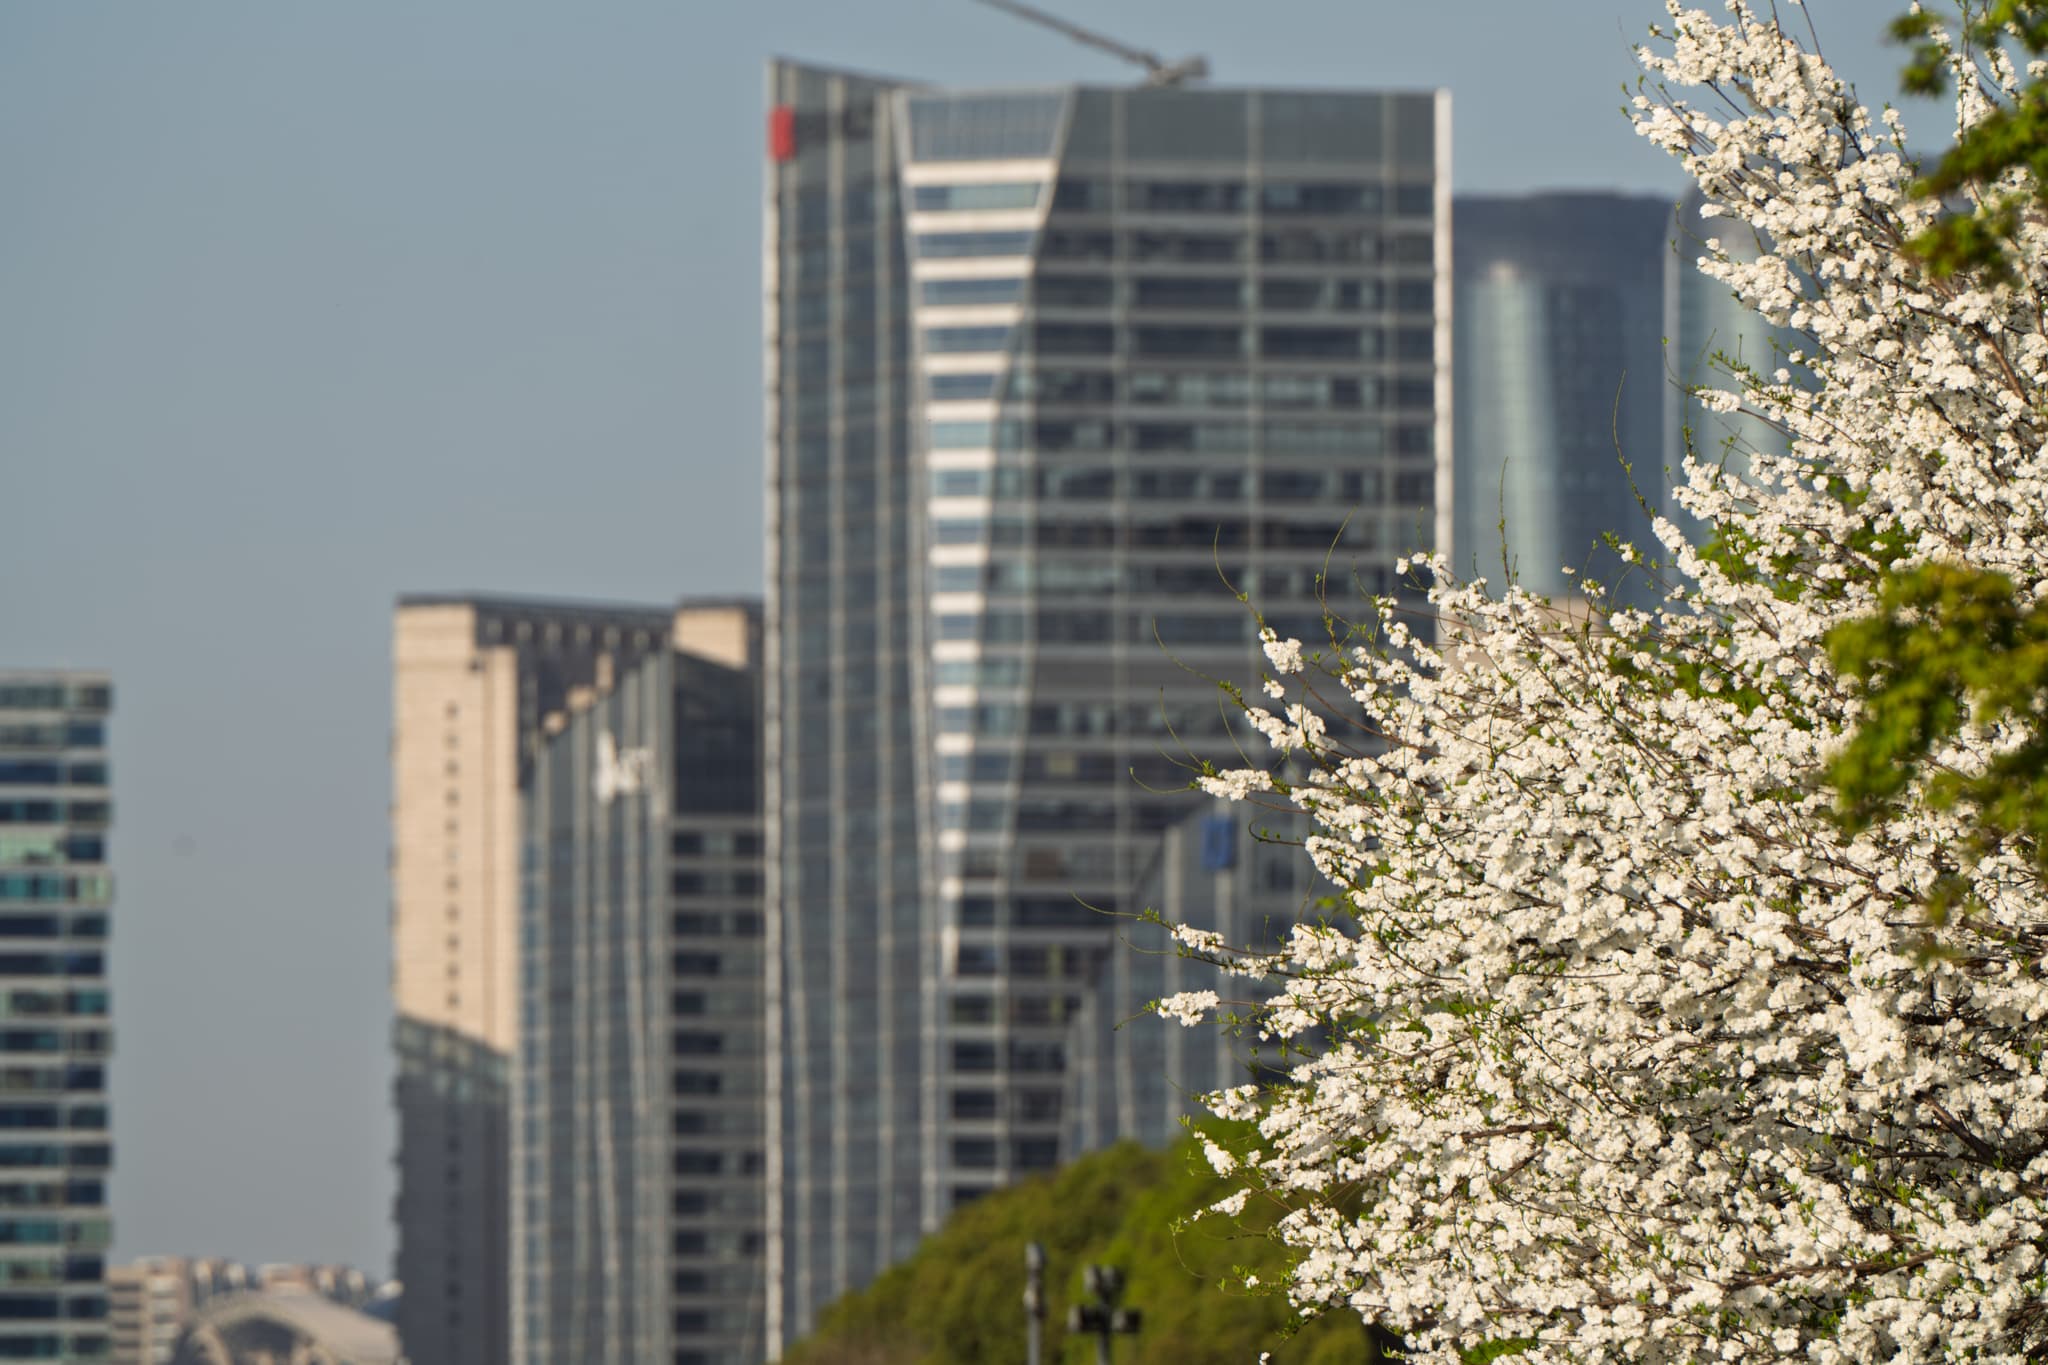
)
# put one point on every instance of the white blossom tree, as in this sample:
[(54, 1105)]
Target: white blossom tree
[(1618, 1045)]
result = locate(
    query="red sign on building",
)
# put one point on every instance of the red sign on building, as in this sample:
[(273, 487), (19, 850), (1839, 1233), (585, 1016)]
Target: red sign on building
[(782, 133)]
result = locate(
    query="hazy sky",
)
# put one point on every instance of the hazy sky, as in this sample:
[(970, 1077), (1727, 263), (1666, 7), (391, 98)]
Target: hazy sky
[(303, 306)]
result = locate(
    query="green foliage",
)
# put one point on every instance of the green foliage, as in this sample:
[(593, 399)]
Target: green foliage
[(1980, 239), (1948, 644), (959, 1300)]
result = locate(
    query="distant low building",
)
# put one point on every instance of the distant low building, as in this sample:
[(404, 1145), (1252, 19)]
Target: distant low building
[(162, 1307), (289, 1325)]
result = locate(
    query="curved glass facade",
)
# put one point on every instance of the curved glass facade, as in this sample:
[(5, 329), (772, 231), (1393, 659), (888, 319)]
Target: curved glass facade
[(1560, 380)]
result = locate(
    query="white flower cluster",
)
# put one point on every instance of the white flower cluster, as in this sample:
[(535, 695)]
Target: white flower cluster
[(1623, 1046)]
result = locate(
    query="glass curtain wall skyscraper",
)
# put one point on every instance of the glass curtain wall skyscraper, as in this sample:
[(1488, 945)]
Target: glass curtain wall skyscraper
[(637, 1098), (55, 895), (472, 678), (1560, 379), (1052, 375)]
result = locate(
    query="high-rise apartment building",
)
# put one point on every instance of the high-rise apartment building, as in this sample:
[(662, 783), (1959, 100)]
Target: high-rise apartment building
[(1052, 375), (638, 1134), (472, 679), (1560, 381), (55, 895)]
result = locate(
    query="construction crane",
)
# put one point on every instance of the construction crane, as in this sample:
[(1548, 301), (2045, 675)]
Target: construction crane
[(1157, 70)]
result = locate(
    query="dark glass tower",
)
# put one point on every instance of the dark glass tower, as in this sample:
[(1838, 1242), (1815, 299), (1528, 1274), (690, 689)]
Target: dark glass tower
[(55, 894), (1561, 381), (1052, 374), (637, 1146)]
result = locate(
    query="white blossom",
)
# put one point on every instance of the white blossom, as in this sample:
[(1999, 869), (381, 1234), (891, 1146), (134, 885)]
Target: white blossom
[(1621, 1044)]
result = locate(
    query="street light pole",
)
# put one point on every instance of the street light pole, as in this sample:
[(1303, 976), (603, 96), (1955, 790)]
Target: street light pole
[(1103, 1317), (1034, 1302)]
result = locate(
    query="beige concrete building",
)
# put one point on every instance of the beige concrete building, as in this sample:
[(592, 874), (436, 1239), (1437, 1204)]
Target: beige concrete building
[(147, 1307), (473, 678)]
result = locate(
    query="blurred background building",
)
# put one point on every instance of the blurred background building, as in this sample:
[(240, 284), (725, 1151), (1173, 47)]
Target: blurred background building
[(1561, 388), (638, 1221), (1711, 331), (1046, 368), (220, 1312), (472, 678), (55, 897)]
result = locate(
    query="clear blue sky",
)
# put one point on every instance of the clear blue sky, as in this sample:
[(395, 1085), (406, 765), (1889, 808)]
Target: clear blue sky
[(302, 306)]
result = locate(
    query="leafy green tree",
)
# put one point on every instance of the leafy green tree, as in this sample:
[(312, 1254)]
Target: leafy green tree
[(1948, 646), (958, 1301), (2008, 138)]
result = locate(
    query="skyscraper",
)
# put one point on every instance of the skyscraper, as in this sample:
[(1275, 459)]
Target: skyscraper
[(472, 679), (1560, 380), (55, 895), (638, 1121), (1710, 330), (1052, 374)]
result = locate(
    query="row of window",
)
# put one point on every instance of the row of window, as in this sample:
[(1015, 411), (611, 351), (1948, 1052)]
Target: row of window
[(52, 847), (859, 203), (1186, 533), (70, 1078), (74, 734), (1034, 962), (41, 812), (1066, 766), (703, 1161), (54, 886), (1026, 1154), (738, 882), (71, 1269), (25, 1004), (50, 1194), (722, 924), (87, 1042), (703, 1084), (1215, 293), (47, 1347), (53, 964), (1064, 862), (715, 844), (1184, 388), (1049, 815), (1323, 247), (1204, 342), (1287, 246), (1025, 1105), (91, 1118), (1026, 1055), (1282, 197), (1078, 195), (55, 696), (974, 198), (1081, 483), (1279, 437), (50, 773), (83, 1156), (1026, 1011), (91, 924)]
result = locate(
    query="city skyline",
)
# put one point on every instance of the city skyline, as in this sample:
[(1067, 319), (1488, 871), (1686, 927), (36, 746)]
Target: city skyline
[(1049, 367), (217, 307)]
